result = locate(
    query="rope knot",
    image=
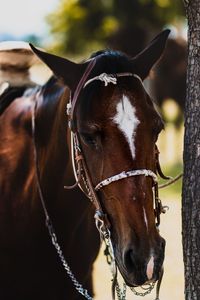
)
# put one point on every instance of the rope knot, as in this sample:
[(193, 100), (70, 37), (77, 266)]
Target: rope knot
[(108, 78)]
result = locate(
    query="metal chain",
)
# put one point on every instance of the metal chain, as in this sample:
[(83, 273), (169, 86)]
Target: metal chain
[(109, 252), (121, 292), (66, 266), (49, 224), (147, 290)]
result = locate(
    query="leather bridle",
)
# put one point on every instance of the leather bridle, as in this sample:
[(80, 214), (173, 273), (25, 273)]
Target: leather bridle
[(80, 169), (83, 180)]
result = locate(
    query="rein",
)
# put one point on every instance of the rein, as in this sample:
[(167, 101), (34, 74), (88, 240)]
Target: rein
[(83, 180)]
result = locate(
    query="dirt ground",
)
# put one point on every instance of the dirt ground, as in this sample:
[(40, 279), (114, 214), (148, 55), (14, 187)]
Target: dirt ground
[(173, 284)]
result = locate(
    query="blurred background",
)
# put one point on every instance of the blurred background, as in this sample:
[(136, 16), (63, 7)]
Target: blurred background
[(75, 29)]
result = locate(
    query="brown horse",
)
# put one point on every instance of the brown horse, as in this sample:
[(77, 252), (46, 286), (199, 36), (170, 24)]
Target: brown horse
[(117, 127)]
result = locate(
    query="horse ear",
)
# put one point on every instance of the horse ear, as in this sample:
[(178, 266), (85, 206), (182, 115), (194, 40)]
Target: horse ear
[(63, 68), (144, 61)]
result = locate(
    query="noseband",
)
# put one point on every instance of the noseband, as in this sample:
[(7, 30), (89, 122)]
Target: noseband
[(126, 174)]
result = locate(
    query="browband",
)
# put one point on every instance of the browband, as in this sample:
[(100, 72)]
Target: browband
[(111, 78)]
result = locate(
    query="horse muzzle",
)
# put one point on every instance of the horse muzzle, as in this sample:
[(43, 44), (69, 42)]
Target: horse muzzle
[(139, 268)]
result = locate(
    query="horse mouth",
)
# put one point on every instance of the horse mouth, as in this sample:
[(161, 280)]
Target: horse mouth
[(137, 278), (146, 283)]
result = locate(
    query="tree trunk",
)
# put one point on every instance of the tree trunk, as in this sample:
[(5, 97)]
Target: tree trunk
[(191, 157)]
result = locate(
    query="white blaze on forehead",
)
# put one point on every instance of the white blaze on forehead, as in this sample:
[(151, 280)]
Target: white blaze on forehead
[(150, 268), (127, 121)]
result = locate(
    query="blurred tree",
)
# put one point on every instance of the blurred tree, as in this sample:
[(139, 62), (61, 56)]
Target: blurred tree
[(191, 180), (81, 26)]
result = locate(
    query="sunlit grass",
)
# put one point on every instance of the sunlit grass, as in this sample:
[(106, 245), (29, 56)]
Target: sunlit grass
[(170, 144)]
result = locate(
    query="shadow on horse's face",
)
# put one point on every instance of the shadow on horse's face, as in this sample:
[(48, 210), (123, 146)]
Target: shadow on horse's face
[(118, 127)]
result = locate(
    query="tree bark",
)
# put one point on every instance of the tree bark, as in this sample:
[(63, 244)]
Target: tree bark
[(191, 158)]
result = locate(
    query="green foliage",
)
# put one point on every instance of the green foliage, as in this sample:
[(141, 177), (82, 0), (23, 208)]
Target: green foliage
[(175, 188), (81, 26)]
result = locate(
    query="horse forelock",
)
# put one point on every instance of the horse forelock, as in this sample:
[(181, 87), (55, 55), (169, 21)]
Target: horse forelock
[(111, 62), (107, 61)]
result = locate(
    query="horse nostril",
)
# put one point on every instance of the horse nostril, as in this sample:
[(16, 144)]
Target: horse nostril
[(129, 261)]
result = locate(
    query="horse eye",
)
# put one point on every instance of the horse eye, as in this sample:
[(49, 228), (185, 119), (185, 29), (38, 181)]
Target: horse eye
[(89, 139)]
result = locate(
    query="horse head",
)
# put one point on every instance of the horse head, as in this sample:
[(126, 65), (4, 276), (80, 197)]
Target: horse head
[(118, 125)]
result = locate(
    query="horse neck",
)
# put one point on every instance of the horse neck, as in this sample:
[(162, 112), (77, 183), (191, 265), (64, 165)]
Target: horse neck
[(51, 138)]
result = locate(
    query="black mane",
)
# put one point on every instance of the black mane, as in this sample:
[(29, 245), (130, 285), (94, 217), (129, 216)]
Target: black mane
[(108, 52), (111, 62), (107, 61), (9, 95)]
